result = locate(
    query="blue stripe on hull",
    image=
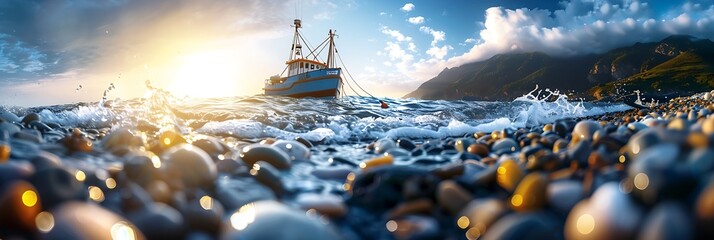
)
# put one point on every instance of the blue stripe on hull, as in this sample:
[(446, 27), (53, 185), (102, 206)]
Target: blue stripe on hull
[(320, 81)]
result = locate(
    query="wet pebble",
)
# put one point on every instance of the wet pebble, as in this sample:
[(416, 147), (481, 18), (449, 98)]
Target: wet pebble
[(328, 205), (234, 193), (414, 227), (269, 176), (296, 150), (584, 130), (158, 221), (257, 152), (668, 220), (20, 203), (535, 225), (76, 220), (608, 214), (273, 220), (57, 185), (194, 167), (530, 194), (505, 145), (452, 197)]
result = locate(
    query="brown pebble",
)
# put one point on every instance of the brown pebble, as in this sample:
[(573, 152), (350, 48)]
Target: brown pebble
[(20, 204), (708, 125), (159, 191), (449, 171), (697, 140), (5, 150), (548, 127), (328, 205), (478, 149), (480, 214), (452, 197), (375, 162), (531, 193), (509, 175), (418, 206)]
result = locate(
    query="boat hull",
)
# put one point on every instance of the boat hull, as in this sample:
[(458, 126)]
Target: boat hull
[(323, 83)]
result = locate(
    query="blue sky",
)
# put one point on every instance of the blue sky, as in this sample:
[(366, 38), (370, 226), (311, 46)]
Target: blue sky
[(63, 51)]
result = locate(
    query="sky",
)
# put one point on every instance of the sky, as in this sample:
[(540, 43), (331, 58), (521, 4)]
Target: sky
[(66, 51)]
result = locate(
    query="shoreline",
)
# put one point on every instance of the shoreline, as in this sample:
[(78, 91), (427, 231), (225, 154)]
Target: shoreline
[(637, 173)]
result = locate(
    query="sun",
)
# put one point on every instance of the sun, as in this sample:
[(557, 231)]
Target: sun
[(205, 75)]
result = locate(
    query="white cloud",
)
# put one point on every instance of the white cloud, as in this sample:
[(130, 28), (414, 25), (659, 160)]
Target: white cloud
[(382, 13), (439, 52), (396, 35), (416, 20), (582, 27), (408, 7), (579, 27), (412, 47), (437, 35)]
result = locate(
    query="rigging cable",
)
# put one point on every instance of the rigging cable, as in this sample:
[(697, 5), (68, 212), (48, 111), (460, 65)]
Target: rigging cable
[(350, 75)]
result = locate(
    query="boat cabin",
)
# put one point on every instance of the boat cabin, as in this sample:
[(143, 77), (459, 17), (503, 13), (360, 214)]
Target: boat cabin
[(301, 65)]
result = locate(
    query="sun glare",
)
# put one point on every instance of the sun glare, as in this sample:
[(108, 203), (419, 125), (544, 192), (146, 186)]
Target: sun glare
[(205, 75)]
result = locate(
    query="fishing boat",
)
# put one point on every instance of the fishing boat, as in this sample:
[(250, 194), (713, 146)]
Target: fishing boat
[(307, 75)]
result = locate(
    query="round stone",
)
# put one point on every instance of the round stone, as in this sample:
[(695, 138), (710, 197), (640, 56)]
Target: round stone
[(8, 116), (258, 220), (668, 220), (21, 204), (384, 144), (194, 167), (478, 149), (267, 175), (530, 195), (210, 145), (122, 137), (304, 141), (203, 213), (77, 142), (509, 174), (704, 210), (294, 149), (375, 162), (452, 197), (77, 220), (406, 144), (158, 221), (608, 214), (57, 185), (258, 152), (234, 193), (505, 145), (708, 126), (563, 195), (414, 227), (480, 214), (326, 204), (533, 225), (651, 173), (30, 117), (584, 130), (463, 143)]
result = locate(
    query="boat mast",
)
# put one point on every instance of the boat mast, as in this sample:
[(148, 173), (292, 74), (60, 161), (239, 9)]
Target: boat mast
[(296, 48), (330, 54)]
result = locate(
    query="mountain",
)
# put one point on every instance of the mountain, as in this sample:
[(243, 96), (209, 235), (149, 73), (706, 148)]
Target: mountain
[(676, 64)]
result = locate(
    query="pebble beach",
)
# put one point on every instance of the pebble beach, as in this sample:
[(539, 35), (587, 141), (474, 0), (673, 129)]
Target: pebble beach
[(634, 174)]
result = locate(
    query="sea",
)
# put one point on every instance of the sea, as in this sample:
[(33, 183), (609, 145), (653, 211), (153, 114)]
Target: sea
[(344, 120)]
